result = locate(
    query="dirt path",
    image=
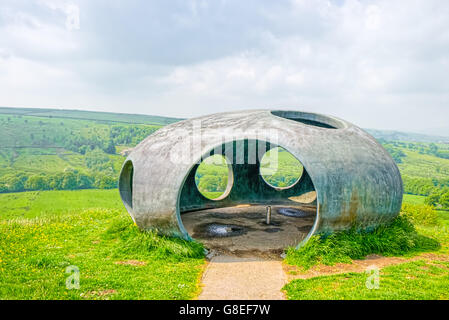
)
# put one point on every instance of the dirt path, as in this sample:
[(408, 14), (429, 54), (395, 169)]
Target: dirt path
[(292, 272), (243, 278)]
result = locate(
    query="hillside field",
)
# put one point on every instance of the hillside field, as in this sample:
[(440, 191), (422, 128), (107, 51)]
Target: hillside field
[(60, 209), (51, 149), (43, 149)]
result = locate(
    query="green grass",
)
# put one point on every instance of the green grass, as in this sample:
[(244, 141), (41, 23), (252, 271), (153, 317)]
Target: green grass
[(420, 214), (411, 280), (47, 203), (212, 195), (412, 199), (407, 281), (116, 260), (41, 233), (443, 218), (439, 231), (47, 161), (90, 230), (395, 239)]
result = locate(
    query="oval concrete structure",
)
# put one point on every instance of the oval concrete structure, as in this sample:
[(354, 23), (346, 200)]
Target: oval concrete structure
[(356, 181)]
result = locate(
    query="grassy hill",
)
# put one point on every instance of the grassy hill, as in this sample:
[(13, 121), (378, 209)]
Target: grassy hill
[(107, 117), (48, 232), (55, 149), (45, 234), (391, 135), (424, 166), (416, 164), (67, 149)]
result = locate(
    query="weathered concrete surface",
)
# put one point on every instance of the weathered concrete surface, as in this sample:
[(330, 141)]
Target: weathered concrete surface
[(231, 277), (357, 182), (248, 185), (256, 237)]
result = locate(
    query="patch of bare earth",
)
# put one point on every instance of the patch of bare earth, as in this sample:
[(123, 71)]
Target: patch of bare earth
[(99, 293), (294, 272), (131, 262)]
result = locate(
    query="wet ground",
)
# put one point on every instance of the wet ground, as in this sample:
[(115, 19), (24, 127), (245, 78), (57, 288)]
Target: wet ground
[(243, 230)]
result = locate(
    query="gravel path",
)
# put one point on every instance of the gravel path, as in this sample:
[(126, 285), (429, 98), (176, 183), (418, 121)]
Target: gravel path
[(243, 278)]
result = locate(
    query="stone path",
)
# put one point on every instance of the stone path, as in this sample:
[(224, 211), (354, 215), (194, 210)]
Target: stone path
[(243, 278)]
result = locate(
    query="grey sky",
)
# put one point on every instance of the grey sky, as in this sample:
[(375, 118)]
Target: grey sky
[(380, 64)]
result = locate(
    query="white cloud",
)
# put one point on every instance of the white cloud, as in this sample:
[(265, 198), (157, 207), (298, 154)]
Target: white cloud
[(380, 64), (73, 17), (373, 17), (69, 9)]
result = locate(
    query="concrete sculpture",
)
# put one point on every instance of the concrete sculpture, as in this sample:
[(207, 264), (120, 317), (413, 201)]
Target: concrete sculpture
[(357, 183)]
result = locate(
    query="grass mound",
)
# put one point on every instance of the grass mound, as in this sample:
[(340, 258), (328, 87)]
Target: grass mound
[(149, 243), (395, 239), (114, 258)]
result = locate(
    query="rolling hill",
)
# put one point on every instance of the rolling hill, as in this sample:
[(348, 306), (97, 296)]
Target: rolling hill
[(67, 149), (47, 149)]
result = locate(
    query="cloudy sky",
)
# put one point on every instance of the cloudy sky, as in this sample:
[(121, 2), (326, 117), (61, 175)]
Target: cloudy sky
[(380, 64)]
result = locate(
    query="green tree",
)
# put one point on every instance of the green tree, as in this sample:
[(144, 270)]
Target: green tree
[(55, 181), (433, 199), (36, 182), (84, 181), (209, 183), (105, 182), (444, 200), (110, 148), (15, 183), (433, 149), (69, 181)]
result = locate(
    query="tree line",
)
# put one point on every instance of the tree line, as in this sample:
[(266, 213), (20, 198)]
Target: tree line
[(118, 135), (67, 180), (435, 190), (423, 186), (422, 148)]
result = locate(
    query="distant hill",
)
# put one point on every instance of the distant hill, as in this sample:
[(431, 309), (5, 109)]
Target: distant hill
[(46, 149), (109, 117), (58, 149), (390, 135), (90, 115)]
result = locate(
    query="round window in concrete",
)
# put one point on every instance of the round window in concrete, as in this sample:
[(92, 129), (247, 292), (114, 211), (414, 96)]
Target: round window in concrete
[(280, 169), (214, 177)]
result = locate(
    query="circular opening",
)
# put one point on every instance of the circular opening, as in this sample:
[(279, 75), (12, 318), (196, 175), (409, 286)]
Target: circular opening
[(126, 184), (214, 177), (310, 119), (280, 169)]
